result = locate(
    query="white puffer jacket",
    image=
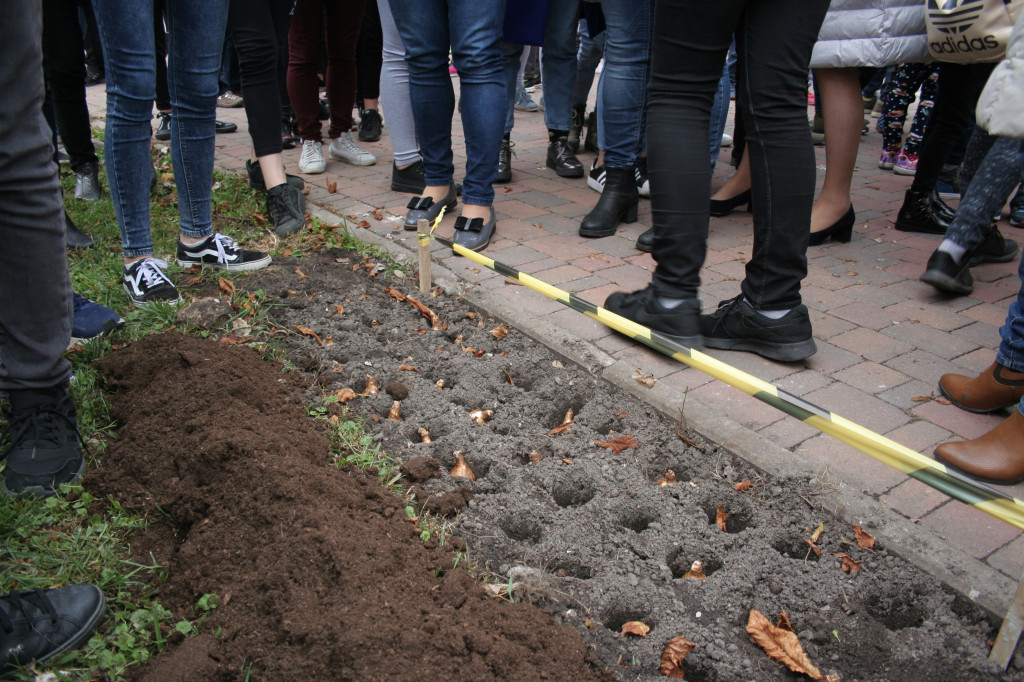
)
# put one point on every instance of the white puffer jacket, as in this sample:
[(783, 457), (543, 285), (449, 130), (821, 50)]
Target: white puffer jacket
[(1001, 105), (871, 33)]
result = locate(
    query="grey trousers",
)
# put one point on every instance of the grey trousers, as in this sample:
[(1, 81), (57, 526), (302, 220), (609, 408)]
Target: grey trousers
[(35, 290), (991, 171)]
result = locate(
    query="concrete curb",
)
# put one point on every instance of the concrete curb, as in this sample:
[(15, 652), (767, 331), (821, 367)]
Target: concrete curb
[(972, 578)]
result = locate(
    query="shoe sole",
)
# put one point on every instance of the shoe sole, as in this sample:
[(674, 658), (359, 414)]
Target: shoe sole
[(975, 476), (338, 157), (985, 258), (944, 282), (903, 171), (565, 173), (528, 110), (593, 184), (408, 189), (143, 303), (781, 352), (40, 491), (975, 410), (243, 267), (369, 138)]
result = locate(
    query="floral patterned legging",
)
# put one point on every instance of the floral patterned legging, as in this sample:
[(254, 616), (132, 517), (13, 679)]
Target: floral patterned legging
[(907, 78)]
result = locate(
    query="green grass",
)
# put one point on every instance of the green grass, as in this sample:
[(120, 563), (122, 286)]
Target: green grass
[(75, 538)]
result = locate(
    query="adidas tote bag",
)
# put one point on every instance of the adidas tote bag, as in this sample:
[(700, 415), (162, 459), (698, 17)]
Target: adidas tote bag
[(968, 31)]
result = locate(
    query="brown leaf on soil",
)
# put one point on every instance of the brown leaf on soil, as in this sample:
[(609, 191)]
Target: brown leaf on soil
[(226, 285), (508, 378), (461, 469), (566, 460), (561, 428), (394, 414), (301, 274), (344, 395), (696, 571), (363, 224), (371, 386), (377, 214), (499, 332), (479, 353), (435, 321), (814, 547), (481, 416), (308, 332), (782, 645), (647, 380), (635, 627), (668, 479), (864, 540), (231, 339), (784, 623), (742, 485), (332, 187), (534, 456), (339, 309), (407, 368), (921, 398), (617, 445), (817, 533), (193, 280), (720, 517), (672, 657), (850, 565)]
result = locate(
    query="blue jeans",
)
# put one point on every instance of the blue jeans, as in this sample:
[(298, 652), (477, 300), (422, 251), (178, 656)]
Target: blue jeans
[(473, 29), (589, 56), (1011, 348), (195, 38), (622, 91), (557, 66)]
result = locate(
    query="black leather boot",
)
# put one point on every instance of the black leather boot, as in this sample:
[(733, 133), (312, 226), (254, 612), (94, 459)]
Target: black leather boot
[(918, 215), (579, 113), (617, 204), (74, 237)]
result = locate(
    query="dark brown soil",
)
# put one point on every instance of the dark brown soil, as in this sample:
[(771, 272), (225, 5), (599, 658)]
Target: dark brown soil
[(322, 577)]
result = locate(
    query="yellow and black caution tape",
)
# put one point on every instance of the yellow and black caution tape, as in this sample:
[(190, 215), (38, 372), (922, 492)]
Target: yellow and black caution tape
[(929, 471)]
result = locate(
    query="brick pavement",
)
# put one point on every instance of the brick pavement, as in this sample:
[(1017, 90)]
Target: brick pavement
[(884, 338)]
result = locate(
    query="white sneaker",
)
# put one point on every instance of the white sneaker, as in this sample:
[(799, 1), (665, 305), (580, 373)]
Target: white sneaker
[(312, 159), (344, 148), (726, 140)]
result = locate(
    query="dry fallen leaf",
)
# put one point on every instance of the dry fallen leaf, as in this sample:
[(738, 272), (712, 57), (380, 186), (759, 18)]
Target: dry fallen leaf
[(742, 485), (499, 332), (635, 627), (226, 285), (784, 622), (863, 539), (363, 224), (435, 321), (814, 547), (617, 445), (668, 479), (566, 460), (782, 645), (647, 380), (394, 413), (339, 309), (508, 378), (371, 386), (407, 368), (921, 398), (696, 571), (332, 187), (377, 214), (345, 394), (308, 332), (424, 435), (461, 469), (817, 533), (720, 517), (301, 274), (849, 564), (481, 416), (534, 456), (672, 657)]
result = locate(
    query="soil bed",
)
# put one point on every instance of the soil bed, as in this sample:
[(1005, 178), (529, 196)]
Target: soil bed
[(321, 576)]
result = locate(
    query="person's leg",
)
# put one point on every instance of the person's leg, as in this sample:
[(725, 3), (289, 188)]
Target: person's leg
[(513, 57), (929, 89), (719, 116), (369, 59), (590, 54), (558, 63), (163, 97), (343, 19), (894, 110), (843, 110), (394, 90), (304, 39)]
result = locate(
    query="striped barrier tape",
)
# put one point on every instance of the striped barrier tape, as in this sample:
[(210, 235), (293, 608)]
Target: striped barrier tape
[(929, 471)]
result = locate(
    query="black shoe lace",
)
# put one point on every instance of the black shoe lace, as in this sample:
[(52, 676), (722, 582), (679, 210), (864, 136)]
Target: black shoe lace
[(22, 602), (42, 424), (506, 154)]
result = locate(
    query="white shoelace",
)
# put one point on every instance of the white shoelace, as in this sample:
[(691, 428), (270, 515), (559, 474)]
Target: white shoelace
[(150, 272), (311, 153), (225, 245), (350, 145)]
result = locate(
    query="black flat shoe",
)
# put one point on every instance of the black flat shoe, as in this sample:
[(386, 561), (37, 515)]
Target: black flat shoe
[(226, 127), (645, 242), (473, 233), (721, 207), (425, 208), (841, 230)]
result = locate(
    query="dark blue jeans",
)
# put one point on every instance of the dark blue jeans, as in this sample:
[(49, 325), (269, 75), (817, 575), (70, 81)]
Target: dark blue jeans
[(35, 291), (473, 29), (1011, 349), (195, 38), (773, 44)]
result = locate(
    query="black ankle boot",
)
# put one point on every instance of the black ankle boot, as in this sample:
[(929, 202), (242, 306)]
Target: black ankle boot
[(75, 238), (617, 204), (579, 112), (590, 141), (917, 215)]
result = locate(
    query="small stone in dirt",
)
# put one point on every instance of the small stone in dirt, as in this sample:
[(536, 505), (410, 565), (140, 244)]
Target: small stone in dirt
[(206, 312), (420, 469), (446, 504), (397, 390)]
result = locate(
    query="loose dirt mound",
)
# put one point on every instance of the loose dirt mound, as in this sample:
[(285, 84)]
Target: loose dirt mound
[(320, 575), (570, 515)]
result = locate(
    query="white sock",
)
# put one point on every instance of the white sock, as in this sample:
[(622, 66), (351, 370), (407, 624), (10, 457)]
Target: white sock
[(953, 249), (770, 314), (670, 303)]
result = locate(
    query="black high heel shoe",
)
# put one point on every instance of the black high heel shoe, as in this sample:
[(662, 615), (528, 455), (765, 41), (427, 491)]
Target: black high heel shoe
[(841, 230), (721, 207)]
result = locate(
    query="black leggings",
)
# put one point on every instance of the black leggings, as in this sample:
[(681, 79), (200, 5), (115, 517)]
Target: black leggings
[(259, 29), (369, 55)]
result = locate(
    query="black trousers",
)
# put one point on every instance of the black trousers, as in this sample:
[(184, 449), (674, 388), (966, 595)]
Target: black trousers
[(259, 29), (774, 39), (369, 55), (64, 68)]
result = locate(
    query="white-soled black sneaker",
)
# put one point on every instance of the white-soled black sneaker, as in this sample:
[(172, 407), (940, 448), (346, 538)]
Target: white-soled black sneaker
[(145, 282), (220, 251)]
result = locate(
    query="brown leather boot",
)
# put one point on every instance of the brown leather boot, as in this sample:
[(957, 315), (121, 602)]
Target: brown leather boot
[(995, 388), (997, 457)]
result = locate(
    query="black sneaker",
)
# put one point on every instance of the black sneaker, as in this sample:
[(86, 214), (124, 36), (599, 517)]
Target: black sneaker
[(411, 179), (220, 251), (38, 625), (286, 206), (369, 125), (225, 127), (561, 158), (163, 130), (737, 326), (287, 136), (145, 282), (505, 161), (995, 249), (680, 324), (945, 274), (256, 181), (43, 449)]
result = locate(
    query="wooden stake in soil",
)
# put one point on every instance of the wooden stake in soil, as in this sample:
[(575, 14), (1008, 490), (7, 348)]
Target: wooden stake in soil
[(423, 239), (1010, 631)]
